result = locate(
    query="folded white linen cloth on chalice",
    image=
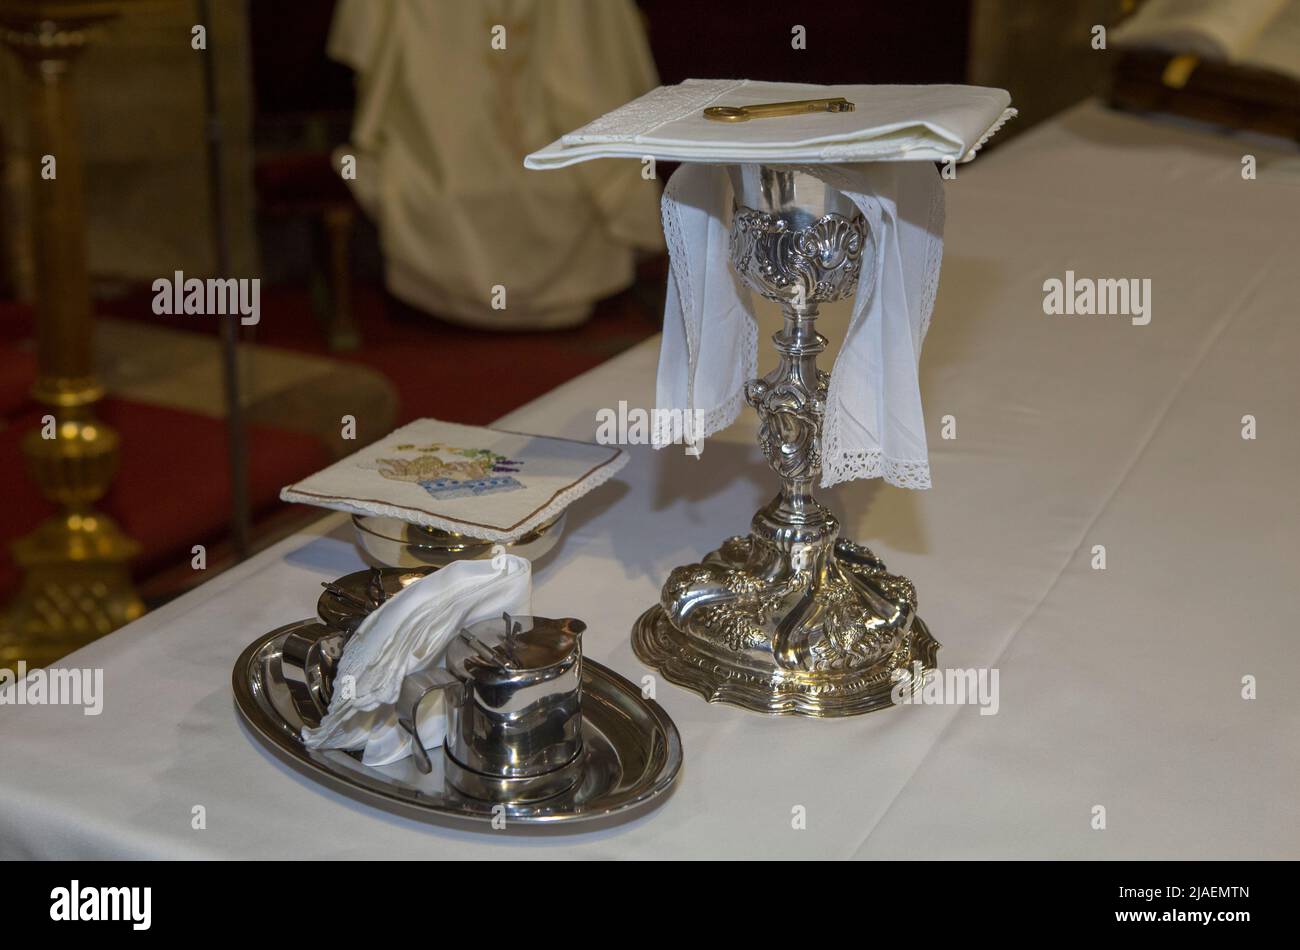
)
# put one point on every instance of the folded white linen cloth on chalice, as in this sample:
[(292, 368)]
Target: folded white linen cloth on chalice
[(408, 633), (930, 123), (880, 156)]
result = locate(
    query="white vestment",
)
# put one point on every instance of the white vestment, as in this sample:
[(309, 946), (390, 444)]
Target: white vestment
[(444, 119)]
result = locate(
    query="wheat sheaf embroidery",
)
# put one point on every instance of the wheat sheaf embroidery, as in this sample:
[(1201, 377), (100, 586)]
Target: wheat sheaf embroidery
[(448, 471)]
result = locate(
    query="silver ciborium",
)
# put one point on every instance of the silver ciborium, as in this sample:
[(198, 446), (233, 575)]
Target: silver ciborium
[(790, 618)]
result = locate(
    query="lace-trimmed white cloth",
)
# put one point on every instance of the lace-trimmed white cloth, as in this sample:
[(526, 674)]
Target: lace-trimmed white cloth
[(874, 426), (889, 124), (485, 483), (879, 155)]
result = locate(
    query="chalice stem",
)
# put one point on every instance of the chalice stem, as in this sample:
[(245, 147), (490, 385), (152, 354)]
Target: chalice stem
[(791, 403)]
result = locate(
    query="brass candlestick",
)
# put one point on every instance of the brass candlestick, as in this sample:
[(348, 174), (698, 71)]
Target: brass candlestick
[(75, 585)]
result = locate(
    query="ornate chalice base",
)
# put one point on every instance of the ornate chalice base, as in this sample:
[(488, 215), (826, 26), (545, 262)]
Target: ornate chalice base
[(791, 618)]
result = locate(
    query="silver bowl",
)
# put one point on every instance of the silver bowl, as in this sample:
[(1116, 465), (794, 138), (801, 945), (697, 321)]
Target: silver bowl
[(396, 543)]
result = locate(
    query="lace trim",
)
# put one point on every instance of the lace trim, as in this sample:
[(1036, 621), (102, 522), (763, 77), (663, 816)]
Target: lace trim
[(666, 433), (677, 257), (680, 264), (839, 465), (1007, 116), (656, 108), (933, 257), (904, 473)]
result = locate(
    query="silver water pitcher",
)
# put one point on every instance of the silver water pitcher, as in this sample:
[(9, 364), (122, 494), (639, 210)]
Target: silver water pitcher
[(514, 708)]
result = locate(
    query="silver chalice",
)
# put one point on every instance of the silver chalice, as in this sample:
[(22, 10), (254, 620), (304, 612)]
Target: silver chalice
[(790, 618)]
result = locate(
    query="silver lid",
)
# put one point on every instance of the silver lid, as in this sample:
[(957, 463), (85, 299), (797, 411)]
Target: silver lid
[(509, 649)]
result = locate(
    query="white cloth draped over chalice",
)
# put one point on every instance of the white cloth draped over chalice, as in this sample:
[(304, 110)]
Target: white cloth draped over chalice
[(881, 155), (874, 426)]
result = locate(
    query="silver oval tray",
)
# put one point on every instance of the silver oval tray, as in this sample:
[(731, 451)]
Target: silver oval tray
[(633, 749)]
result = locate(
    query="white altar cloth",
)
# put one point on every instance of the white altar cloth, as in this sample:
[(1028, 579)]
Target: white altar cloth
[(1119, 688)]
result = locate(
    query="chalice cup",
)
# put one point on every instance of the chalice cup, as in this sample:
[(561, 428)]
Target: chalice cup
[(791, 618)]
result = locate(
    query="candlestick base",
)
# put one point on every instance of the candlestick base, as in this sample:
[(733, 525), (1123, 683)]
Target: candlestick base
[(76, 588)]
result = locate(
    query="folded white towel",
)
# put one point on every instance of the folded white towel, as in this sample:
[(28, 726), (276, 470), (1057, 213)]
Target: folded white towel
[(888, 124), (408, 633)]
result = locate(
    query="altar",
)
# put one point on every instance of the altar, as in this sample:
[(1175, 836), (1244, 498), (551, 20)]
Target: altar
[(1050, 437)]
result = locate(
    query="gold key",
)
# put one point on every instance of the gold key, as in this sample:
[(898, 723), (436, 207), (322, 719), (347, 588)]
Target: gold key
[(767, 110)]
